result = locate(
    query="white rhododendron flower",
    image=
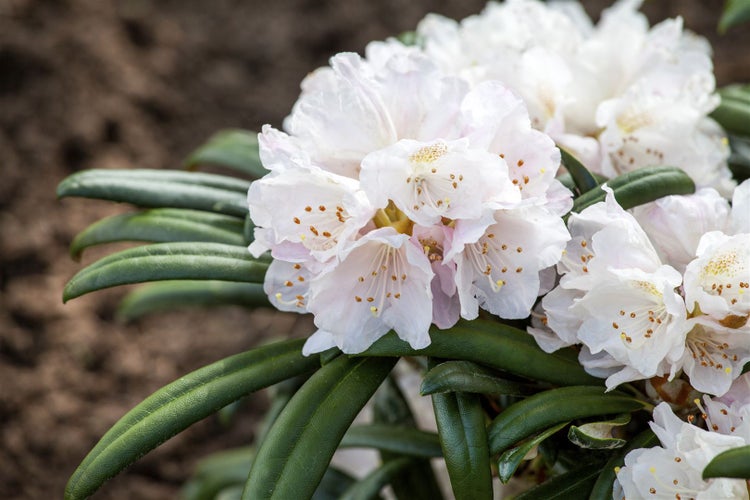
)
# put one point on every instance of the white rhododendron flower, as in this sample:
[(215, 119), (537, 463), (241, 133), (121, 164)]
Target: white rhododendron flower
[(643, 310), (619, 95), (730, 413), (401, 198), (674, 469), (675, 224)]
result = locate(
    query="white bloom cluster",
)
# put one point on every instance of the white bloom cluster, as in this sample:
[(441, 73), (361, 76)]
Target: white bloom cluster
[(658, 293), (618, 95), (401, 197), (674, 469)]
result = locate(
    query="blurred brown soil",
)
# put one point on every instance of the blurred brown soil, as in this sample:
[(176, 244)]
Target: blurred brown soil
[(139, 83)]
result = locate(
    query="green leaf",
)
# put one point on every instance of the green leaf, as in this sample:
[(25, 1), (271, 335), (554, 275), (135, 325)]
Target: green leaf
[(463, 437), (161, 226), (598, 435), (295, 454), (736, 91), (227, 470), (509, 461), (465, 376), (235, 149), (639, 187), (731, 463), (160, 188), (739, 159), (217, 472), (369, 487), (603, 487), (734, 115), (545, 409), (167, 261), (334, 483), (180, 404), (583, 179), (735, 12), (572, 485), (416, 482), (168, 295), (495, 345), (400, 440), (280, 395)]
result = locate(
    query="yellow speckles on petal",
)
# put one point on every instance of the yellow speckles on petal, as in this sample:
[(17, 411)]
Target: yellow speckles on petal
[(721, 265), (429, 154), (648, 287)]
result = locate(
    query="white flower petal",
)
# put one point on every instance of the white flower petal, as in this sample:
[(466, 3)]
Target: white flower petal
[(718, 281), (429, 182), (382, 282), (498, 261)]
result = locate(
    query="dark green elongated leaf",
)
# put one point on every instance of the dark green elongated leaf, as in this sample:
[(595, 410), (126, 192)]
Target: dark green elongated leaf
[(160, 188), (731, 463), (417, 481), (334, 483), (145, 175), (735, 12), (226, 470), (296, 451), (733, 114), (572, 485), (180, 404), (463, 437), (280, 394), (495, 345), (399, 440), (639, 187), (510, 459), (161, 226), (736, 91), (167, 261), (602, 489), (739, 159), (465, 376), (217, 472), (583, 179), (545, 409), (167, 295), (598, 435), (234, 148), (369, 487), (567, 180)]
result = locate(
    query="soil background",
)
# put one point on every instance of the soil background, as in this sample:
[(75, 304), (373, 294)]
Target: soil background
[(140, 83)]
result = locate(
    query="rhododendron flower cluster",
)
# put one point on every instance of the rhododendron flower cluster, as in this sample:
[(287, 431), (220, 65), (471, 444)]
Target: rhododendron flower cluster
[(659, 297), (619, 95), (402, 197), (674, 469)]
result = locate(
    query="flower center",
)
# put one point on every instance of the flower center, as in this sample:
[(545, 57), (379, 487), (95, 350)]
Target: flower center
[(391, 216)]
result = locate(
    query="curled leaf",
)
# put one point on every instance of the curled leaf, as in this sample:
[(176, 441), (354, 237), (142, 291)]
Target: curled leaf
[(598, 435)]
